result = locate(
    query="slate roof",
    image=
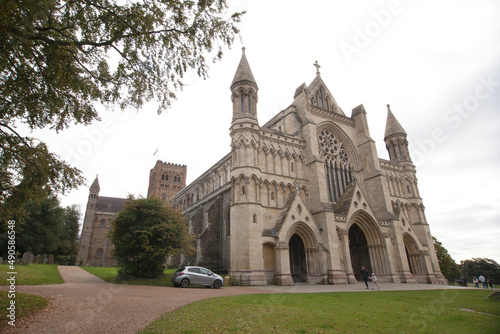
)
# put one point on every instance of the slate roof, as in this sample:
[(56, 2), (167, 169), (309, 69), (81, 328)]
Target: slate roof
[(243, 73), (392, 126), (341, 208), (110, 204)]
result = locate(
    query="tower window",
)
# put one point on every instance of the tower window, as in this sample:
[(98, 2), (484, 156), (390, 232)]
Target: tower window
[(103, 222), (242, 102), (99, 253), (243, 190), (164, 197), (249, 103)]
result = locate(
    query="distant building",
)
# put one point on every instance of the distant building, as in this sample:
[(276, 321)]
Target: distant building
[(166, 180), (96, 248)]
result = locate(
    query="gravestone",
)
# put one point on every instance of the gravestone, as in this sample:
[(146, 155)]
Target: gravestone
[(18, 258), (50, 259), (43, 258), (1, 260), (35, 259), (27, 258)]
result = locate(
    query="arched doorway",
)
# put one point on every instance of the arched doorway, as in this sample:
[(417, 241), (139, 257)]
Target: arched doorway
[(413, 255), (298, 263), (358, 247)]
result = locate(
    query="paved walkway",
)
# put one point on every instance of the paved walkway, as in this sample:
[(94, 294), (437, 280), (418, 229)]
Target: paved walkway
[(87, 304)]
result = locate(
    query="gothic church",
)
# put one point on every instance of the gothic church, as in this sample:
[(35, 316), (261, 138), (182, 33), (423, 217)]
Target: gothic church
[(305, 197), (302, 198)]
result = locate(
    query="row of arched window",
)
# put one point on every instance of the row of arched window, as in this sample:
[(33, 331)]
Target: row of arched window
[(321, 100), (164, 177)]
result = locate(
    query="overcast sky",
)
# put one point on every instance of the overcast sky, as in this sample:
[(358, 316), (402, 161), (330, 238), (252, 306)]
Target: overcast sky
[(437, 63)]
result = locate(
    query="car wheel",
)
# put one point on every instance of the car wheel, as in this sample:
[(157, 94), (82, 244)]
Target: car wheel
[(185, 283), (217, 284)]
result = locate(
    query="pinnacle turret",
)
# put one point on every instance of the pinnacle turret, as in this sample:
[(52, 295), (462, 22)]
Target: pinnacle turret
[(244, 73), (95, 184), (392, 126), (244, 92), (395, 139)]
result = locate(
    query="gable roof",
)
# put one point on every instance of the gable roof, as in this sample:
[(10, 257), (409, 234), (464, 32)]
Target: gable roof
[(110, 204)]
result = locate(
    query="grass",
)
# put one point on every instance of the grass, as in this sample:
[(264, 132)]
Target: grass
[(109, 274), (34, 274), (429, 311), (26, 305)]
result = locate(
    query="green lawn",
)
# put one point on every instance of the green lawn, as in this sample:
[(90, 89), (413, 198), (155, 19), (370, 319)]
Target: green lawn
[(34, 274), (430, 311), (25, 305), (110, 275)]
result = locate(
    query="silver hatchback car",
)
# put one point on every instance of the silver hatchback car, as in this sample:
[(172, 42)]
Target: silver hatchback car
[(187, 275)]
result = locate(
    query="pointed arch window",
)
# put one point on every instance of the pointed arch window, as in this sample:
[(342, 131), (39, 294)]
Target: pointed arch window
[(337, 164), (242, 102), (249, 109), (321, 97)]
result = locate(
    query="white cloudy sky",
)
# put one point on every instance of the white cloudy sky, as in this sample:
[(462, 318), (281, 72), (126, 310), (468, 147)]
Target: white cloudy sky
[(436, 62)]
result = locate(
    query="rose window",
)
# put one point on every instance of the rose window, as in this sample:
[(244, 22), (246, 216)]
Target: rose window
[(328, 142)]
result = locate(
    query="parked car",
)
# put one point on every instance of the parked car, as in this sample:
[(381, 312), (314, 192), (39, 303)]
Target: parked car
[(192, 275)]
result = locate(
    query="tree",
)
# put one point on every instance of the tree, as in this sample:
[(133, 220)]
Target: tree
[(449, 268), (67, 244), (480, 266), (144, 233), (59, 57), (49, 229)]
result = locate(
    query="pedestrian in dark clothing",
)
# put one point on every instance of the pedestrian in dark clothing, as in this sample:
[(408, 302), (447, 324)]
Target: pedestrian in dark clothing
[(365, 274), (491, 282)]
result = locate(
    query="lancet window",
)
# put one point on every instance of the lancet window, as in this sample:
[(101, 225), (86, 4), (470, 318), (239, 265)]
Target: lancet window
[(337, 164)]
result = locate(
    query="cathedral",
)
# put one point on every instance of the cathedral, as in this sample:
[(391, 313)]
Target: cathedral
[(305, 197), (301, 198)]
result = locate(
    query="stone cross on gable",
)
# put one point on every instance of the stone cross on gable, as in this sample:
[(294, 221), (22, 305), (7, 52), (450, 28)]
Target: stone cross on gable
[(317, 67)]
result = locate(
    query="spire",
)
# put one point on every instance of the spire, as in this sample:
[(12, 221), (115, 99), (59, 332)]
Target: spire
[(244, 73), (392, 127), (95, 184)]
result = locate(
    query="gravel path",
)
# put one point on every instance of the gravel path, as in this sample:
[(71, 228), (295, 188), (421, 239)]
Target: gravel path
[(87, 304)]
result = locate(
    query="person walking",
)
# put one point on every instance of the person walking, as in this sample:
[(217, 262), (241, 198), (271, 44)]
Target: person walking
[(374, 281), (483, 280), (476, 282), (365, 274), (491, 282)]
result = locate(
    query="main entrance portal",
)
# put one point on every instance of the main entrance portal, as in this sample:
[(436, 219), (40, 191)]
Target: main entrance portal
[(358, 247), (298, 264)]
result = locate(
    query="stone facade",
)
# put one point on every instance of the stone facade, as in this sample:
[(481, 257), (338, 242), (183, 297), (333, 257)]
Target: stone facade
[(305, 197), (166, 180), (96, 248)]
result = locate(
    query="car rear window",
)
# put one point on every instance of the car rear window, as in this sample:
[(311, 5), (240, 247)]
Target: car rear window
[(180, 269)]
